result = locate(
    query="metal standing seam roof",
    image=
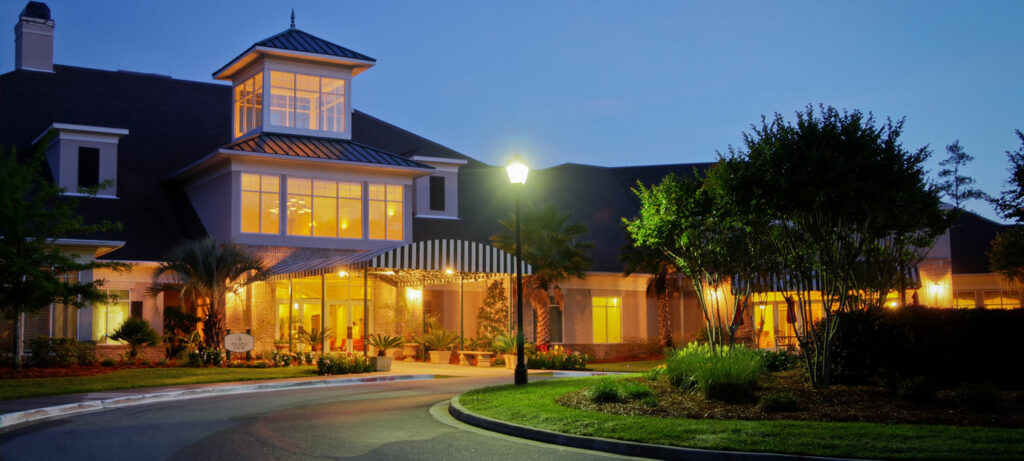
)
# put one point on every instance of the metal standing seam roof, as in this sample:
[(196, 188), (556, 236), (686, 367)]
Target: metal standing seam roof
[(781, 282), (325, 148), (297, 40), (430, 255)]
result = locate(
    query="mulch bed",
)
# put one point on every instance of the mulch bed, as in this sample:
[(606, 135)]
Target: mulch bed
[(838, 403)]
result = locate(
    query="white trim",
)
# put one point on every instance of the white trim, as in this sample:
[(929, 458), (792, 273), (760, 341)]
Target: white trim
[(33, 69), (292, 158), (449, 218), (84, 129), (253, 53), (456, 161)]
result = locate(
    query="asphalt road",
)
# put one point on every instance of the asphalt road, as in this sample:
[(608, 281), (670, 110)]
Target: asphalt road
[(393, 421)]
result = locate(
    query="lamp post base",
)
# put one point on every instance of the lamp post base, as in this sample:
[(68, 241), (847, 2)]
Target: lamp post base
[(520, 378)]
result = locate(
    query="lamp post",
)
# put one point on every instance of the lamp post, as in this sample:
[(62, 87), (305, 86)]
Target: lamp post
[(517, 172)]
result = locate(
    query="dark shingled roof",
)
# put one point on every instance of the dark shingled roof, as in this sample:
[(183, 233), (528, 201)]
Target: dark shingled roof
[(325, 148), (596, 196), (297, 40), (172, 123), (970, 241)]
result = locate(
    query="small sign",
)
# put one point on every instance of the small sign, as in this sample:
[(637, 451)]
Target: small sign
[(239, 342)]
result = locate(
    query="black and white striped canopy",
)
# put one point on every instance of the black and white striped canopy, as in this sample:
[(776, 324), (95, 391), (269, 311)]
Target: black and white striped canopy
[(432, 255)]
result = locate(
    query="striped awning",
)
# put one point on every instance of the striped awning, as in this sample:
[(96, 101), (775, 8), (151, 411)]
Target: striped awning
[(458, 256)]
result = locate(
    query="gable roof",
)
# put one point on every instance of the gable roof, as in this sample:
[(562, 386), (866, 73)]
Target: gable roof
[(325, 148), (970, 241)]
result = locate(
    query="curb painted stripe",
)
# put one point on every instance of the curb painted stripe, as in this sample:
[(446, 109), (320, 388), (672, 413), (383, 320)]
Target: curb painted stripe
[(619, 447), (38, 414)]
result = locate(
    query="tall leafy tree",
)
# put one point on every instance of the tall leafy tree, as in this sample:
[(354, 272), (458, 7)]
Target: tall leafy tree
[(206, 271), (33, 217), (1007, 255), (555, 249), (661, 286), (954, 184), (849, 208)]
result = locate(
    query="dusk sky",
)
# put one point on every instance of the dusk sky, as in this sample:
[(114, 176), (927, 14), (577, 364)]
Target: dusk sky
[(607, 83)]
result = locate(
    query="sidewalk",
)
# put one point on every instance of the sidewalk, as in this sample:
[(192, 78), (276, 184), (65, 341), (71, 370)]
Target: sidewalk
[(16, 412)]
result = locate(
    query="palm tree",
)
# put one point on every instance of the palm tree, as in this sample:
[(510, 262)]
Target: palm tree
[(552, 246), (663, 284), (207, 271)]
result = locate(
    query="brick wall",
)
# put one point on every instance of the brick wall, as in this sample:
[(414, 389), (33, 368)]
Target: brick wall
[(119, 351)]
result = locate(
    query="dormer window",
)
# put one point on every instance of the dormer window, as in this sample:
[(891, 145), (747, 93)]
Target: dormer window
[(307, 102), (249, 105), (83, 157)]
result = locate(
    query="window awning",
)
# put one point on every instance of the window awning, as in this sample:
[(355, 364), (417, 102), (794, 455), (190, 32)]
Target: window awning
[(784, 283), (434, 256)]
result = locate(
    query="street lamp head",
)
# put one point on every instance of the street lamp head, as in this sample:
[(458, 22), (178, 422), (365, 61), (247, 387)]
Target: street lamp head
[(517, 171)]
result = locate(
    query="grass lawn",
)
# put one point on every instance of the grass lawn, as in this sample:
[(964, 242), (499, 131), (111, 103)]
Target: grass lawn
[(629, 367), (142, 377), (535, 406)]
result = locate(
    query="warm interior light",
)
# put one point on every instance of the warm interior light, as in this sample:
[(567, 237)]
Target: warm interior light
[(936, 288), (342, 274), (296, 306), (517, 171), (893, 304), (413, 295), (449, 271)]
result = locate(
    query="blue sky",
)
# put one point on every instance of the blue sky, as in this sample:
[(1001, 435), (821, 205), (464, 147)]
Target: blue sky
[(608, 82)]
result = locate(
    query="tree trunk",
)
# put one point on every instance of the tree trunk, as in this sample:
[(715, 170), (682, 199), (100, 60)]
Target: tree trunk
[(214, 324), (665, 319), (539, 299), (19, 342)]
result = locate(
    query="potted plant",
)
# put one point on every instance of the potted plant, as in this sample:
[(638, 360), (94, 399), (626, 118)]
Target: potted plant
[(440, 343), (315, 337), (382, 343), (506, 346), (281, 344)]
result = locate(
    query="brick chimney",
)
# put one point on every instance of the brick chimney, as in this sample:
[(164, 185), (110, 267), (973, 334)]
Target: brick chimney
[(33, 38)]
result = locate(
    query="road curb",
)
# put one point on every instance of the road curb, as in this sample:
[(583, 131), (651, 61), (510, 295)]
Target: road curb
[(619, 447), (8, 420), (584, 374)]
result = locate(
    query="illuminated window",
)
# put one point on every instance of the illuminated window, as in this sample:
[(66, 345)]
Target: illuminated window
[(386, 215), (107, 317), (964, 300), (249, 105), (1002, 299), (324, 208), (307, 101), (300, 206), (607, 319), (261, 203)]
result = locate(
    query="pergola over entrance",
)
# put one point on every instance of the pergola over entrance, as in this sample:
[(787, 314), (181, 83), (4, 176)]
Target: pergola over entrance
[(417, 264)]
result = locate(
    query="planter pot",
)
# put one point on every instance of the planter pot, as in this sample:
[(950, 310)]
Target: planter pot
[(382, 363), (440, 356), (281, 347), (510, 360), (409, 351)]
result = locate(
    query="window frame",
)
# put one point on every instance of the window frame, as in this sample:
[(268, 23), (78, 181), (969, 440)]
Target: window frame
[(593, 313), (318, 113), (261, 194), (370, 201)]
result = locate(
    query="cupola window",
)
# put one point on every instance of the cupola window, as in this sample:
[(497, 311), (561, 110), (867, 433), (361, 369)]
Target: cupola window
[(308, 102), (249, 105)]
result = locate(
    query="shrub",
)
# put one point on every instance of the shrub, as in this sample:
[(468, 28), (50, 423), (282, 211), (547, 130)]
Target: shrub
[(977, 396), (259, 364), (86, 353), (945, 345), (498, 362), (778, 402), (136, 332), (383, 342), (54, 352), (440, 339), (649, 401), (917, 390), (779, 361), (606, 391), (162, 362), (556, 358), (144, 362), (730, 374), (636, 391), (108, 362), (207, 357), (338, 364)]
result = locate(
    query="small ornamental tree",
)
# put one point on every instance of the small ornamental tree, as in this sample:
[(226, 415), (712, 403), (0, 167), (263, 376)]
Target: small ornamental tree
[(136, 332), (1007, 255), (34, 216), (492, 318)]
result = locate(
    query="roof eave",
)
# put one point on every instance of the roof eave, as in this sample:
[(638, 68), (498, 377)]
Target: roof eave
[(204, 162), (254, 52)]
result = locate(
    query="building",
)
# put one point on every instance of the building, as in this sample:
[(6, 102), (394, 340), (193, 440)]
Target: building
[(368, 227)]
